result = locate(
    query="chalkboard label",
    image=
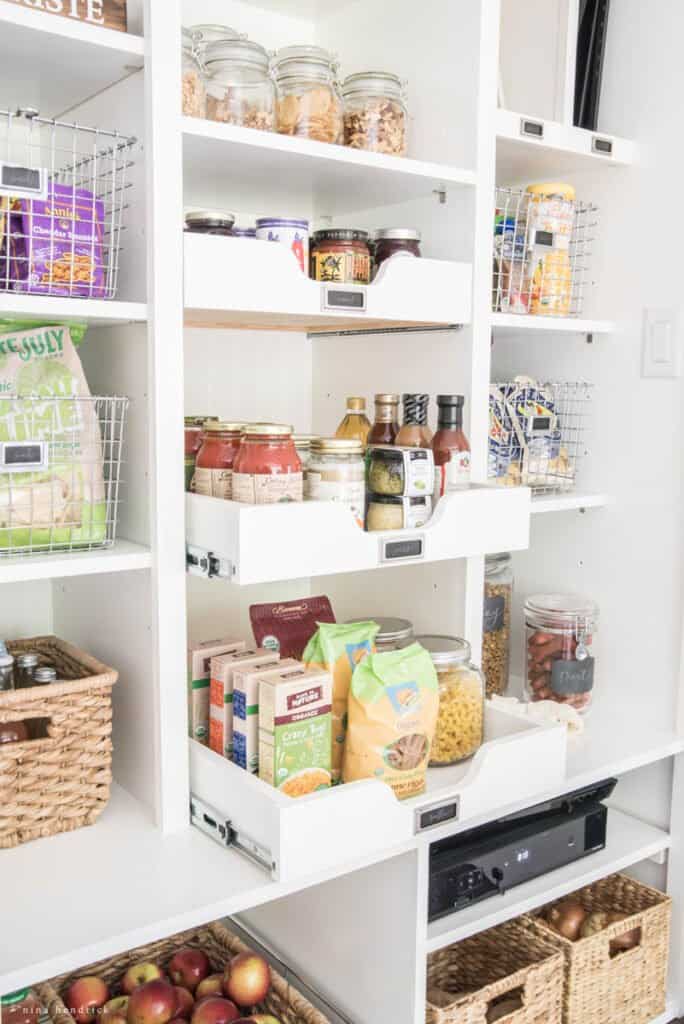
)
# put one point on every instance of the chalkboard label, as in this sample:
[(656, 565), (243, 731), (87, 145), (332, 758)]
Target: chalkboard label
[(572, 676), (494, 614), (434, 816)]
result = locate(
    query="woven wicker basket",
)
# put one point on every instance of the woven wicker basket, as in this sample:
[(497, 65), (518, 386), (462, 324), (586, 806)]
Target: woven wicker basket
[(59, 782), (512, 963), (629, 988), (283, 1001)]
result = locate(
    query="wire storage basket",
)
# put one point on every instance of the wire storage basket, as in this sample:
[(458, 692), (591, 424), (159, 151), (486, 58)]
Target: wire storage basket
[(60, 471), (63, 194), (542, 252), (538, 433)]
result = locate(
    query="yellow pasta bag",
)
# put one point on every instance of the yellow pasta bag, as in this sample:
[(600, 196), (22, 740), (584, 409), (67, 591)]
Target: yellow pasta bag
[(393, 706), (339, 648)]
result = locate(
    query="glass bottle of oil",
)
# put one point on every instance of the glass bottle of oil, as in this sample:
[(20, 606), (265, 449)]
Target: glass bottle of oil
[(355, 425)]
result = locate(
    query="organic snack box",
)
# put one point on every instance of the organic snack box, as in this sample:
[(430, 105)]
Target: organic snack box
[(221, 693), (339, 649), (199, 663), (246, 706), (295, 730)]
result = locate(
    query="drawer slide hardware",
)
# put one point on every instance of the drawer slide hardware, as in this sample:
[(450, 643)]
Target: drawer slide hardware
[(219, 828), (200, 562)]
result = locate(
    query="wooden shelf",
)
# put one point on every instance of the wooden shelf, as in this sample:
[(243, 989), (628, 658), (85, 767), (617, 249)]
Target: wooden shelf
[(516, 323), (49, 308), (53, 63), (125, 556)]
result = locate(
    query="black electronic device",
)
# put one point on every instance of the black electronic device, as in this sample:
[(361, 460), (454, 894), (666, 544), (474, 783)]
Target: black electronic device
[(482, 862)]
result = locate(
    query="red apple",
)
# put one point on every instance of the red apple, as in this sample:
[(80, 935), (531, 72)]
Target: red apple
[(185, 1002), (114, 1011), (247, 979), (139, 974), (212, 985), (85, 997), (214, 1010), (155, 1002), (187, 968)]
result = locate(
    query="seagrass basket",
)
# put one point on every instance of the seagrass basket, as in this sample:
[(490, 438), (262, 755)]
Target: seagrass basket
[(511, 969), (59, 779), (220, 944), (612, 987)]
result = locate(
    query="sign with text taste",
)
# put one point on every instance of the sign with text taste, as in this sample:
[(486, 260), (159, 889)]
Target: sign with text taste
[(107, 13)]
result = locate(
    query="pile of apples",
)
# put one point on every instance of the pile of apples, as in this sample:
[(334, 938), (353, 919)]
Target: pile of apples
[(188, 993)]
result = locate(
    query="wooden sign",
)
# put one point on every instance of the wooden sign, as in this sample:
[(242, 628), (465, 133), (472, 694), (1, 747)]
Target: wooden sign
[(107, 13)]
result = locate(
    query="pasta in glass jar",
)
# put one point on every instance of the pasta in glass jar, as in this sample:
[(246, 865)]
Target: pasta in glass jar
[(460, 722)]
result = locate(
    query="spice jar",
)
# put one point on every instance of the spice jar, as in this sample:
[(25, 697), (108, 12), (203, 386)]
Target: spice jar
[(6, 672), (341, 256), (209, 222), (25, 666), (337, 472), (240, 89), (403, 471), (194, 82), (375, 113), (460, 722), (415, 432), (44, 674), (391, 242), (267, 469), (560, 650), (309, 103), (386, 426), (215, 459), (20, 1007), (385, 512), (496, 626)]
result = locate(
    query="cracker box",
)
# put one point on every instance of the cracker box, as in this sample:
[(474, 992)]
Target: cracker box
[(199, 664), (221, 692), (246, 708), (295, 731)]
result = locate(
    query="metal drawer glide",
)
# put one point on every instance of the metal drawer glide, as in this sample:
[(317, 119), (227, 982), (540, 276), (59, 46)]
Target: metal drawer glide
[(219, 828), (200, 562)]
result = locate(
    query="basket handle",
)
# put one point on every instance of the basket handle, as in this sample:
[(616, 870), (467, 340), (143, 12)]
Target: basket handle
[(516, 997), (613, 950)]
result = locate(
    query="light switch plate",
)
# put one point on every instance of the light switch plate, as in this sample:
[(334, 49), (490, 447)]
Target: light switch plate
[(661, 344)]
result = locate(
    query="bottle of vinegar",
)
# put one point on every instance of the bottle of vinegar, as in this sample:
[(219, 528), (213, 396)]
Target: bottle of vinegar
[(355, 426)]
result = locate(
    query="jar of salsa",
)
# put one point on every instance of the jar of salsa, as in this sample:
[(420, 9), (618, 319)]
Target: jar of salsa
[(394, 241), (267, 469), (216, 458), (341, 256), (194, 426), (20, 1007)]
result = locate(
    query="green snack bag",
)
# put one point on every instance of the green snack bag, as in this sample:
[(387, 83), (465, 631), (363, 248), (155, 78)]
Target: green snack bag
[(338, 648), (393, 707)]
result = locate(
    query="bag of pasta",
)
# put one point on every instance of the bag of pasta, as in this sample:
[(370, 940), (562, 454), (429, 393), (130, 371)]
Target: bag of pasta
[(393, 707), (338, 648)]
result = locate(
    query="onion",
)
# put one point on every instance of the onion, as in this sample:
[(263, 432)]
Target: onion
[(594, 924), (567, 919)]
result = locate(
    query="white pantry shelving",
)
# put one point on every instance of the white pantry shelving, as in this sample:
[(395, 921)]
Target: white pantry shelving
[(94, 312), (518, 324), (124, 556), (573, 502)]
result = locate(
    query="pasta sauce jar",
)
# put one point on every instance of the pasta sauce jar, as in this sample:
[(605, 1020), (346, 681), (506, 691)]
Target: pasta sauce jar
[(194, 428), (267, 469), (341, 256), (216, 457)]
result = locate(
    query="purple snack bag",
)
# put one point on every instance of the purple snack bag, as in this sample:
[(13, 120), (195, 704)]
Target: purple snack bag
[(56, 244)]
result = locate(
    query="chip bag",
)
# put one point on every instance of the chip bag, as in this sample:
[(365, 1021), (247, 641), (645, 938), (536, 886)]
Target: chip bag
[(393, 707), (339, 649)]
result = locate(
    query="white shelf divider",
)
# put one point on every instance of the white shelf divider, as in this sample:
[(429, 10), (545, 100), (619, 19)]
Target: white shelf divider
[(124, 556), (517, 323), (629, 841), (50, 308)]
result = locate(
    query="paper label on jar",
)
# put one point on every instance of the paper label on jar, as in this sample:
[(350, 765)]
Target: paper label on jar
[(494, 614), (349, 492), (416, 515), (454, 475), (341, 267), (214, 483), (268, 489), (419, 465), (570, 677)]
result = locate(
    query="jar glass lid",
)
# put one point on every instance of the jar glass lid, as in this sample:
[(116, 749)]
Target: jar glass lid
[(224, 426), (27, 660), (391, 630), (293, 62), (267, 430), (340, 235), (338, 445), (205, 34), (562, 610), (304, 440), (446, 650), (380, 83), (398, 234), (209, 217), (495, 562), (236, 52)]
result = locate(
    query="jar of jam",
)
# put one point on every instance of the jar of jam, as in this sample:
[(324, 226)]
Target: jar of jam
[(209, 222), (267, 469), (216, 458), (20, 1007), (341, 256), (394, 242)]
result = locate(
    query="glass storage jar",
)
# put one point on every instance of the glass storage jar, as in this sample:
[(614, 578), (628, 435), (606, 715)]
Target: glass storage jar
[(194, 81), (309, 102), (205, 35), (400, 471), (375, 113), (302, 443), (194, 427), (496, 625), (216, 457), (267, 469), (337, 472), (25, 666), (394, 634), (240, 89), (388, 512), (460, 722), (6, 672), (394, 242), (560, 650), (209, 222), (341, 256)]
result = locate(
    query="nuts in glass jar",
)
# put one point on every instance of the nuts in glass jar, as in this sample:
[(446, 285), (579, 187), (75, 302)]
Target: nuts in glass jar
[(309, 104), (375, 114)]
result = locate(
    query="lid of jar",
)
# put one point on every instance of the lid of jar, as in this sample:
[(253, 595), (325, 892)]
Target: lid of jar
[(495, 562), (45, 674), (267, 430), (339, 445), (14, 997), (188, 40), (223, 426), (340, 235), (304, 440), (286, 60), (554, 188), (214, 218), (387, 399), (381, 82), (206, 34), (6, 661), (27, 660), (282, 222), (445, 650), (238, 50), (391, 630), (562, 610), (398, 234)]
